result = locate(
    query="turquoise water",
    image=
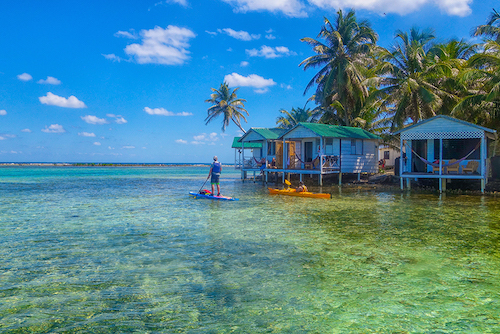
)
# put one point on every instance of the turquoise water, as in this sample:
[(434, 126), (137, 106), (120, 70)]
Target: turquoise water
[(108, 250)]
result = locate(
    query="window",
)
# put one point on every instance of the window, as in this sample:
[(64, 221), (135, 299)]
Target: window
[(457, 148), (386, 155), (271, 148), (356, 146)]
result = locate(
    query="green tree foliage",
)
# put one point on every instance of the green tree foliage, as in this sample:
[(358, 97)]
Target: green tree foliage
[(225, 102), (289, 119)]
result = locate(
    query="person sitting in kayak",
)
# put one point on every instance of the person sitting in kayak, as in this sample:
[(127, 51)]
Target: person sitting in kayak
[(301, 188), (215, 171)]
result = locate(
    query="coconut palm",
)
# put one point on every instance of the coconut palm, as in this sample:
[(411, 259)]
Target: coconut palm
[(225, 102), (410, 78), (482, 105), (342, 59), (289, 119)]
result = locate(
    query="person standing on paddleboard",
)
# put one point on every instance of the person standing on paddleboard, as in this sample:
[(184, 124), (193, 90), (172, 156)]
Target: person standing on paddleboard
[(215, 170)]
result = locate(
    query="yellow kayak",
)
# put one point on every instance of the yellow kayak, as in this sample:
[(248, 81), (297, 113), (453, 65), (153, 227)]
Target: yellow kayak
[(293, 192)]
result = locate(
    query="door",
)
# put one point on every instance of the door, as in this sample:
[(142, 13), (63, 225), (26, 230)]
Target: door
[(419, 147), (308, 151), (279, 154)]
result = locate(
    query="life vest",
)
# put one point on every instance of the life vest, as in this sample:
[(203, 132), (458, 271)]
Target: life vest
[(216, 168)]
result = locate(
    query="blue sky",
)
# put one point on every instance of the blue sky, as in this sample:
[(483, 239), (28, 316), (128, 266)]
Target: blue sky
[(126, 81)]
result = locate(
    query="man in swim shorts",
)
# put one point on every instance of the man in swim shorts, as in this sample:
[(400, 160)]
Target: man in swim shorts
[(215, 170)]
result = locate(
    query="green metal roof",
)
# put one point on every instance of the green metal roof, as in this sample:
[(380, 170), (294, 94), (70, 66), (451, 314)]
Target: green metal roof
[(237, 144), (266, 133), (337, 131), (447, 118), (269, 133)]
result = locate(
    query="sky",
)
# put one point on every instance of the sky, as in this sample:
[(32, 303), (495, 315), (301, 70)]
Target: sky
[(126, 81)]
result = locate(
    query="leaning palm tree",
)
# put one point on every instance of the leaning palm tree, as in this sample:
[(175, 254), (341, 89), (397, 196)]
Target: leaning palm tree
[(226, 103), (289, 119), (342, 59), (490, 30), (409, 78)]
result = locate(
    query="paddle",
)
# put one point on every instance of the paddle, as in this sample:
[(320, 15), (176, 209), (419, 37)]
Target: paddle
[(203, 184), (288, 183)]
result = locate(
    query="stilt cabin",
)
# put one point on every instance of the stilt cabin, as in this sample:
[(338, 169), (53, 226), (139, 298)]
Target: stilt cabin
[(258, 159), (239, 151), (445, 148), (317, 149)]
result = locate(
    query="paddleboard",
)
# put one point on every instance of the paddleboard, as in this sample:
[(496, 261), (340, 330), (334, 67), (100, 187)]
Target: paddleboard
[(220, 198)]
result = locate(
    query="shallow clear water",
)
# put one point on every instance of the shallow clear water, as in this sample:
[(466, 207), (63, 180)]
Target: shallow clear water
[(108, 250)]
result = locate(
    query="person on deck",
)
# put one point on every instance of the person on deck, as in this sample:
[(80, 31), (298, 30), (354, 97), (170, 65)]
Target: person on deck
[(215, 171), (301, 188)]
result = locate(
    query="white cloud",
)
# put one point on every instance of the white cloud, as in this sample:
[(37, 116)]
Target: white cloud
[(126, 34), (54, 128), (86, 134), (292, 8), (113, 57), (213, 33), (253, 80), (97, 143), (181, 141), (128, 147), (183, 3), (203, 137), (270, 36), (244, 64), (24, 77), (162, 46), (241, 35), (118, 118), (451, 7), (26, 130), (261, 90), (94, 119), (165, 112), (270, 52), (50, 81), (6, 136), (54, 100), (3, 112), (286, 86)]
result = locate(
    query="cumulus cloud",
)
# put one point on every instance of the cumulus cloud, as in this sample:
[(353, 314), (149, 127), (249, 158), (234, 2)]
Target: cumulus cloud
[(160, 46), (113, 57), (451, 7), (25, 77), (126, 34), (96, 143), (270, 52), (3, 112), (204, 138), (241, 35), (50, 81), (118, 118), (26, 130), (86, 134), (181, 141), (244, 64), (128, 147), (54, 128), (90, 119), (54, 100), (253, 80), (6, 136), (292, 8), (165, 112)]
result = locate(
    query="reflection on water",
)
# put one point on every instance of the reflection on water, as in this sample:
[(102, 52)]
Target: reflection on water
[(125, 249)]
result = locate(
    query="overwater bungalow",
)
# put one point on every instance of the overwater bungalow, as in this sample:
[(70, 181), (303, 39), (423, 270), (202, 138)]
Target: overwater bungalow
[(446, 148), (239, 151), (318, 149), (259, 158)]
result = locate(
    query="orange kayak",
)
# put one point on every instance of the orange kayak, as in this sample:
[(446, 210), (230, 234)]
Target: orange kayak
[(293, 192)]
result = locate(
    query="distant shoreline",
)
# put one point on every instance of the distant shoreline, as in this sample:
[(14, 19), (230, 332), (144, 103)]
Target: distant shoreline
[(63, 164)]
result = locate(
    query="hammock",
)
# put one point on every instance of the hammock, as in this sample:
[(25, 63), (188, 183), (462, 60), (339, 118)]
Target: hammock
[(311, 162), (447, 164)]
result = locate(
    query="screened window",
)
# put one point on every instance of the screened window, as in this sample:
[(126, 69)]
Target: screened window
[(271, 148), (386, 155), (356, 146), (457, 148)]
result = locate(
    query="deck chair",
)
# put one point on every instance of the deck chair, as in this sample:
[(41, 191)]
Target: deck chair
[(471, 167), (453, 168), (436, 168)]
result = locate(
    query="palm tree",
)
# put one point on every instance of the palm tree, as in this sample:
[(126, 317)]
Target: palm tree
[(289, 119), (482, 105), (225, 102), (342, 58), (410, 76)]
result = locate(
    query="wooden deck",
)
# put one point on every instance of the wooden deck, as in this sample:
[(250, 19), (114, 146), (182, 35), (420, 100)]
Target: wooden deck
[(443, 176)]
